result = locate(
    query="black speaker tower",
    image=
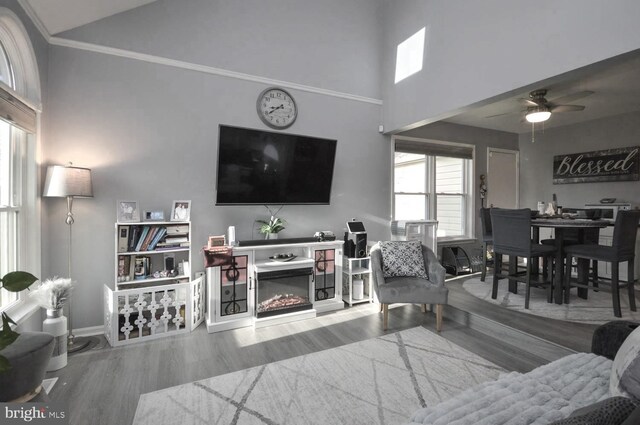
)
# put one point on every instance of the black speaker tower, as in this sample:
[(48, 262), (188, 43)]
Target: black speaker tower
[(361, 245)]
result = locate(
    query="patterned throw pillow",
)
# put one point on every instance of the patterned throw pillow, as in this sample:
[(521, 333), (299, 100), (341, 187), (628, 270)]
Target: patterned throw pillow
[(625, 371), (402, 259), (611, 411)]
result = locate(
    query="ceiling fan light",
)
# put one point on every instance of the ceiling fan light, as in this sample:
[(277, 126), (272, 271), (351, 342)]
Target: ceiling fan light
[(538, 115)]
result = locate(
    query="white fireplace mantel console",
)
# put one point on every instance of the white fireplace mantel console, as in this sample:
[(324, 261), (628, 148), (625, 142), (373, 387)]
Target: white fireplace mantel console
[(236, 298)]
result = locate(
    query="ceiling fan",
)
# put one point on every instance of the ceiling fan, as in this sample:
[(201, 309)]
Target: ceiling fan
[(540, 109)]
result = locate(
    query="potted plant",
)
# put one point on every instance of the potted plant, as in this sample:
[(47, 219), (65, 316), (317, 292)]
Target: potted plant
[(271, 227), (12, 282)]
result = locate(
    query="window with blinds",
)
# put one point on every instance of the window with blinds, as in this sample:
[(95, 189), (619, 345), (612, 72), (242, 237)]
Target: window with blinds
[(16, 119), (432, 181)]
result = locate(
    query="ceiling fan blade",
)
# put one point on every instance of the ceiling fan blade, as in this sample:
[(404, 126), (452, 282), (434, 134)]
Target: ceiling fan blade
[(566, 108), (572, 97), (500, 115), (528, 102)]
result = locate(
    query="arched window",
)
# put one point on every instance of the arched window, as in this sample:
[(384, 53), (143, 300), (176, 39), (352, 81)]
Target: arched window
[(19, 104)]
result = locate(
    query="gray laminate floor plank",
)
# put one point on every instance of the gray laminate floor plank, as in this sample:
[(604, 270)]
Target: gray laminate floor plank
[(102, 386), (576, 336)]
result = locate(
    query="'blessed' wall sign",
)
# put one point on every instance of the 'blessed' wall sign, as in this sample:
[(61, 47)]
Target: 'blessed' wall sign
[(620, 164)]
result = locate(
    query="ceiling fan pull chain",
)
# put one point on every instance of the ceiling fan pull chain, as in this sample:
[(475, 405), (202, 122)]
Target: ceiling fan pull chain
[(533, 132)]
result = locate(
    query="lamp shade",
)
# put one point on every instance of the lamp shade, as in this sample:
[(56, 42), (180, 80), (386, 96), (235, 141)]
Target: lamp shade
[(66, 181), (538, 114)]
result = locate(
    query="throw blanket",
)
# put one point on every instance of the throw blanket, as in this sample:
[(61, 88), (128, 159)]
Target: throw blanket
[(544, 395)]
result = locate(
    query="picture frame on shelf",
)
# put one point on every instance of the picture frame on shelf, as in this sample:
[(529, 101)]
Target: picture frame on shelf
[(180, 211), (215, 241), (154, 215), (128, 211)]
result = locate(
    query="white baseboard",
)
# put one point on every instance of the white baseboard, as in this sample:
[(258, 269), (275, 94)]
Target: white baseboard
[(90, 331)]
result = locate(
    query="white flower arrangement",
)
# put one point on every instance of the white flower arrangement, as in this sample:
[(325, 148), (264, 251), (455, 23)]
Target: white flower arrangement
[(52, 294)]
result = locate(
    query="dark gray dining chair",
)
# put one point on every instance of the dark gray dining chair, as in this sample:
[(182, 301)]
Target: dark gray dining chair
[(409, 289), (622, 249), (590, 235), (512, 237), (487, 238)]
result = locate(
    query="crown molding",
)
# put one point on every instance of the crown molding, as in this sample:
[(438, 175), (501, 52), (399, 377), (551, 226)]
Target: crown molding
[(96, 48), (35, 19)]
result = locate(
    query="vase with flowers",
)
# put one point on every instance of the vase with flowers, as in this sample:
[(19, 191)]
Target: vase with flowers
[(52, 295)]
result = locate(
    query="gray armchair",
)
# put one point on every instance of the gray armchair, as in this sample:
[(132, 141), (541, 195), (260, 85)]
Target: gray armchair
[(410, 289)]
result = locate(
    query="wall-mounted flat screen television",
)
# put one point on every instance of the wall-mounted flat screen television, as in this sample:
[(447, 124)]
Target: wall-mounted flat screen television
[(268, 168)]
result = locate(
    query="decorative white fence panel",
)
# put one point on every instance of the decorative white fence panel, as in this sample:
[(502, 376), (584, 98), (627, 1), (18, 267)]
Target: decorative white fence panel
[(141, 314)]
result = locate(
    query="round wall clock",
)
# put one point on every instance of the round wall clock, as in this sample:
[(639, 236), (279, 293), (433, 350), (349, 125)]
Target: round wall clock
[(277, 108)]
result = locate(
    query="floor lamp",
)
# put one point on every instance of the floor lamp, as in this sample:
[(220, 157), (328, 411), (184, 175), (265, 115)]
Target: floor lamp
[(69, 182)]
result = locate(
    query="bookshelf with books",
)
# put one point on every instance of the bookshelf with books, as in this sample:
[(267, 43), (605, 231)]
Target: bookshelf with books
[(152, 253), (155, 295)]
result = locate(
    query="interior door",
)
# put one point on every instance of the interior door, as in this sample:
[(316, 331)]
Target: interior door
[(503, 178)]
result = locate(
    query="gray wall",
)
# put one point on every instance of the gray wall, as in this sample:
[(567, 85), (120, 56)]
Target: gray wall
[(330, 44), (476, 50), (536, 161), (149, 132), (480, 137)]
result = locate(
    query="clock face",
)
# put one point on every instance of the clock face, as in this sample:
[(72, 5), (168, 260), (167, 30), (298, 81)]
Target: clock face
[(276, 108)]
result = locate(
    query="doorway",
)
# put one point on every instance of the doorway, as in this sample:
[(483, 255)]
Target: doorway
[(503, 178)]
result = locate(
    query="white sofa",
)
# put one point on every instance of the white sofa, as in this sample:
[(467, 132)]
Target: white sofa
[(555, 391)]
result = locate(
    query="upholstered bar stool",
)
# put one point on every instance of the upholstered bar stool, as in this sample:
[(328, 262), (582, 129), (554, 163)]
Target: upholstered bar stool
[(512, 237), (28, 356), (487, 238), (622, 250), (573, 237)]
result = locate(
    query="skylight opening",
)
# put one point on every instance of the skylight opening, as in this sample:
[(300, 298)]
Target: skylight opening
[(409, 55)]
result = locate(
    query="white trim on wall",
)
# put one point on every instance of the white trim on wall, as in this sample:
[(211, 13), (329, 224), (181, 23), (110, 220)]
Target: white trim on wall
[(35, 19), (80, 45)]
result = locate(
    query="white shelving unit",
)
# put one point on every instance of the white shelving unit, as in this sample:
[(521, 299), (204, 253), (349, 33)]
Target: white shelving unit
[(352, 268), (149, 301)]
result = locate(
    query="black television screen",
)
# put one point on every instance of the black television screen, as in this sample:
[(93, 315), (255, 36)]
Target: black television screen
[(264, 167)]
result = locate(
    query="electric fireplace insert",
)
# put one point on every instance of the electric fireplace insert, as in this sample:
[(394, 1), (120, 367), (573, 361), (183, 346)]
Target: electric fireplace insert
[(283, 291)]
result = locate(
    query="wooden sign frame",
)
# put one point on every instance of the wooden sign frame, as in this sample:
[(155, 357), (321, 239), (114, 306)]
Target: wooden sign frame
[(619, 164)]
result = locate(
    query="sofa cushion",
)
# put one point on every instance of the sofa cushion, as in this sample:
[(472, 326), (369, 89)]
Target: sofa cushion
[(608, 338), (548, 393), (625, 372), (400, 258), (611, 411)]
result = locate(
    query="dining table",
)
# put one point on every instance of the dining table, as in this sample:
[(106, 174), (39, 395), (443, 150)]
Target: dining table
[(560, 224)]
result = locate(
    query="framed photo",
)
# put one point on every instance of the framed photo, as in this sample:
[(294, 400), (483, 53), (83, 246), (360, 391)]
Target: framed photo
[(181, 211), (154, 216), (216, 241), (128, 211)]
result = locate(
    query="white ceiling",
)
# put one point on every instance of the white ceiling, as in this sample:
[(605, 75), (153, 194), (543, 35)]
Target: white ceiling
[(616, 87), (62, 15)]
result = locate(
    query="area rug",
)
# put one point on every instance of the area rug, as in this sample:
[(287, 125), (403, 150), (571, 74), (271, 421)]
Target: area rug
[(382, 380), (597, 309)]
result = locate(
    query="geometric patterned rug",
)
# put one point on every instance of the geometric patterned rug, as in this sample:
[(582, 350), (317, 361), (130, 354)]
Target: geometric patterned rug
[(596, 309), (383, 380)]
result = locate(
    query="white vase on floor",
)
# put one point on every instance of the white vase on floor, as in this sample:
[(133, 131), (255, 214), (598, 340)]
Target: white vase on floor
[(56, 325)]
